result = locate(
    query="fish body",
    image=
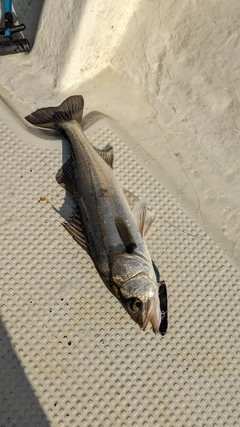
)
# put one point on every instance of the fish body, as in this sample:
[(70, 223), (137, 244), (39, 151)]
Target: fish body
[(103, 223)]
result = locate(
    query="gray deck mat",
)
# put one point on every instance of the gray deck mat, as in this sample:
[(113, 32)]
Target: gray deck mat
[(70, 354)]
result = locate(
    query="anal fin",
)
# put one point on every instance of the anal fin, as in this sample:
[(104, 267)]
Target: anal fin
[(65, 174), (74, 227)]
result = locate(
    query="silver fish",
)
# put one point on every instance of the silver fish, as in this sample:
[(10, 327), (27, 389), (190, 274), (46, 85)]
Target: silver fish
[(103, 223)]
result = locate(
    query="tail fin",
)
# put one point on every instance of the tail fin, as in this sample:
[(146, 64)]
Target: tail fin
[(70, 109)]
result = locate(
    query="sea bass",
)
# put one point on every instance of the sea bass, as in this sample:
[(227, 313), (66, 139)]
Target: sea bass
[(103, 222)]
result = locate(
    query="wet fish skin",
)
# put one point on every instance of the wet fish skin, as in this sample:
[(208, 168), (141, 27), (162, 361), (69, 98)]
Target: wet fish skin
[(103, 223)]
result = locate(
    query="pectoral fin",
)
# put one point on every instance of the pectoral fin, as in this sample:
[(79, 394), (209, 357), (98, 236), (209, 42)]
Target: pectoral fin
[(74, 227), (64, 176), (125, 234), (143, 217)]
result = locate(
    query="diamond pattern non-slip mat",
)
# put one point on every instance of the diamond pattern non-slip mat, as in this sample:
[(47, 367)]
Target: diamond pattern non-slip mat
[(82, 360)]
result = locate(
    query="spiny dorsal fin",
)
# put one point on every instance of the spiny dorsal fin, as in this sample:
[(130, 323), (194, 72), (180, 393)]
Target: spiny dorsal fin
[(70, 109), (64, 176), (125, 234), (143, 217), (74, 227), (107, 154), (131, 198)]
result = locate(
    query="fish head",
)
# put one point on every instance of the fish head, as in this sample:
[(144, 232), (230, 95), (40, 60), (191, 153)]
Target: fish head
[(138, 290), (141, 302)]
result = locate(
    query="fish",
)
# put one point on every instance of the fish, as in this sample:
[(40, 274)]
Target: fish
[(103, 223)]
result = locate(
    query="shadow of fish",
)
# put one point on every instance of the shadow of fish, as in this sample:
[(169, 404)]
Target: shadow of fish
[(103, 223)]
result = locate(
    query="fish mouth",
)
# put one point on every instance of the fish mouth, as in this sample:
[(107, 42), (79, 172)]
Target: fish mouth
[(153, 316)]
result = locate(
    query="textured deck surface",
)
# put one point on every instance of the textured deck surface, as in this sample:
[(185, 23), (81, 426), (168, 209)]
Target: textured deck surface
[(69, 354)]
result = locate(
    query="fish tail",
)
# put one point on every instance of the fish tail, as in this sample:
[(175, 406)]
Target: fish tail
[(51, 117)]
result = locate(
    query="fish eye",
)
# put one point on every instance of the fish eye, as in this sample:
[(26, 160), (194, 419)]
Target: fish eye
[(135, 305)]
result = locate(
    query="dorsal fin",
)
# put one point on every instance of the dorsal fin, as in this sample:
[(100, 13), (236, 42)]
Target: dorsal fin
[(131, 198), (107, 154), (125, 234), (143, 217)]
